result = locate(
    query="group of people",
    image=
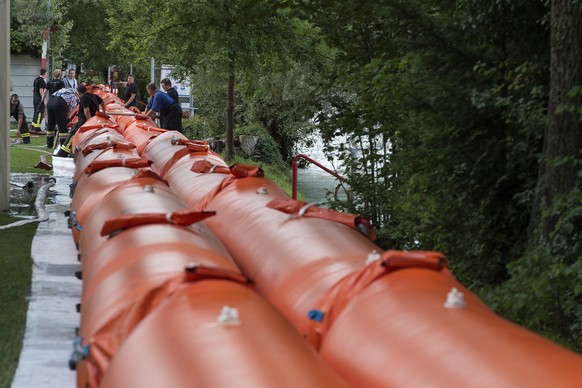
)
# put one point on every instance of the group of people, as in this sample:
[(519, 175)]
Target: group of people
[(60, 98), (41, 89)]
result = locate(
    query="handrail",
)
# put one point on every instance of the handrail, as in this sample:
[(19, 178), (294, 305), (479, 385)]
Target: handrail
[(295, 172)]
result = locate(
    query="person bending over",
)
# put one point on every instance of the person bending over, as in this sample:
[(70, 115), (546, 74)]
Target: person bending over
[(89, 104), (60, 109), (170, 112), (17, 111)]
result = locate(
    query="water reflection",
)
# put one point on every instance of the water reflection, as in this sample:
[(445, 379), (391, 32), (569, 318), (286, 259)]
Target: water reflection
[(23, 190)]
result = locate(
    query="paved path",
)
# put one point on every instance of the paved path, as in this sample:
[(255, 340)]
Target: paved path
[(55, 291)]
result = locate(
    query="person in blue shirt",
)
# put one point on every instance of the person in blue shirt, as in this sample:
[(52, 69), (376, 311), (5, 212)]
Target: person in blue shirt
[(170, 112)]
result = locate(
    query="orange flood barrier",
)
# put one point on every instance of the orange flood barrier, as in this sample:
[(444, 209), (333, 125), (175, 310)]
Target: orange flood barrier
[(378, 318), (364, 309), (149, 261), (190, 342)]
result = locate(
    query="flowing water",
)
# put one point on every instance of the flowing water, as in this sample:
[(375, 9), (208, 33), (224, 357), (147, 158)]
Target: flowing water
[(313, 183)]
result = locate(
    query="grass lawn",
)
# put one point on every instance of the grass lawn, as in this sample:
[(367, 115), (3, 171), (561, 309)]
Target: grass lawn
[(23, 157), (16, 264), (15, 276)]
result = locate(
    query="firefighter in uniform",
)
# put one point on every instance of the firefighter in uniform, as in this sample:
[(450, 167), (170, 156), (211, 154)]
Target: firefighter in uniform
[(38, 99), (59, 111), (17, 111), (89, 104)]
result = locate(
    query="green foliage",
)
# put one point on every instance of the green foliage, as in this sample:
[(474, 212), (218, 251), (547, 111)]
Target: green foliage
[(443, 106), (267, 148), (276, 58), (544, 294), (196, 127), (14, 288), (88, 38), (28, 23)]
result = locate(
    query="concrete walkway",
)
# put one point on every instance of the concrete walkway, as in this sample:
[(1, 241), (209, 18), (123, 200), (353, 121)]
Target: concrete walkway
[(55, 291)]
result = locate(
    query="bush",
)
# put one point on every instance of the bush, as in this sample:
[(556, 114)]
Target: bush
[(267, 149), (197, 128)]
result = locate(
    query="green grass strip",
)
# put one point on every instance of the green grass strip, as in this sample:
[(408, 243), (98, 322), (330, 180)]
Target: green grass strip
[(15, 277)]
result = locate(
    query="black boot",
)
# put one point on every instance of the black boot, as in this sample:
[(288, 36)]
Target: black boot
[(61, 154)]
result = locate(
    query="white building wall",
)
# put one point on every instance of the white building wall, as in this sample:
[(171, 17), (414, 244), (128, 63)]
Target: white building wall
[(23, 70)]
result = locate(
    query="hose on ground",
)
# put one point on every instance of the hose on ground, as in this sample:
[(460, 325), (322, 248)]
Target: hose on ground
[(42, 214)]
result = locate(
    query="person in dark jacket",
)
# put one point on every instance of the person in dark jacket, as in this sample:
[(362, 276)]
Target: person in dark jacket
[(60, 109), (55, 84), (89, 104), (17, 111), (130, 94), (39, 99), (170, 111), (170, 90)]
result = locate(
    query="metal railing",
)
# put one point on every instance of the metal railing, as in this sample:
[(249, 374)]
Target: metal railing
[(310, 160)]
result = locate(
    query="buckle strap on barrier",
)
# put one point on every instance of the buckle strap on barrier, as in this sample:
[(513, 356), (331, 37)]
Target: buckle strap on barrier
[(73, 222), (341, 293), (79, 352), (204, 167), (298, 209), (237, 171), (196, 271), (105, 341), (240, 170), (102, 115), (181, 217), (191, 147), (98, 165), (125, 145), (148, 127), (98, 123)]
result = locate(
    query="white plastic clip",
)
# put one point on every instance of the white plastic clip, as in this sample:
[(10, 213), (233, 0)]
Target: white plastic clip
[(228, 316), (372, 257), (455, 299), (148, 188)]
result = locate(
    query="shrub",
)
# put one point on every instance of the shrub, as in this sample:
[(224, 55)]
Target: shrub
[(197, 128), (267, 149)]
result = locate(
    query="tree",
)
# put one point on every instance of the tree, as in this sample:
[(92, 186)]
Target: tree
[(563, 135), (459, 93), (227, 38), (30, 24), (435, 96), (89, 36), (544, 292)]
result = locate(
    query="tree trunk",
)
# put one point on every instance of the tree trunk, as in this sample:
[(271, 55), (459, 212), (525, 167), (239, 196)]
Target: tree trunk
[(230, 112), (563, 134)]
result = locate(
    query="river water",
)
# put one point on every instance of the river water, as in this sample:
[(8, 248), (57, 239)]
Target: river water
[(313, 183)]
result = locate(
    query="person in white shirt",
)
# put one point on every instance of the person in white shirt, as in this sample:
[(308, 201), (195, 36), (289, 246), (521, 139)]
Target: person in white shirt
[(70, 80)]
